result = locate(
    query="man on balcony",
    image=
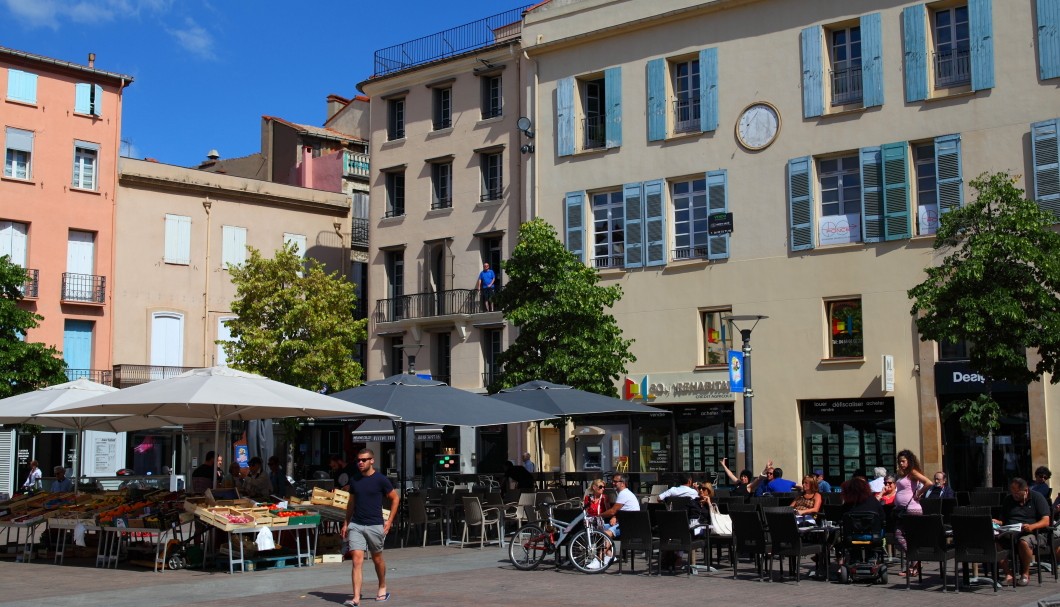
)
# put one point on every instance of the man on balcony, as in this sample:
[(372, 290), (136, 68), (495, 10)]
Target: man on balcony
[(486, 280)]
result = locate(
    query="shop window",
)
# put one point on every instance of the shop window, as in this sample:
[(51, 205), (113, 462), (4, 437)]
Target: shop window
[(959, 350), (717, 336), (844, 435), (705, 435), (845, 329)]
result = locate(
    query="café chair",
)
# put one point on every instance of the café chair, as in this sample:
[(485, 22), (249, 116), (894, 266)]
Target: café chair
[(925, 538), (973, 541), (749, 536), (674, 534), (425, 516), (786, 540), (636, 536), (475, 516)]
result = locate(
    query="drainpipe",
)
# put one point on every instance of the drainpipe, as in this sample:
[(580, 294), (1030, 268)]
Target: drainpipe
[(530, 167), (113, 230), (206, 204)]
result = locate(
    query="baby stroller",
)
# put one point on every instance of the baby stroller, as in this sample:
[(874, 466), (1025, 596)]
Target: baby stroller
[(863, 544)]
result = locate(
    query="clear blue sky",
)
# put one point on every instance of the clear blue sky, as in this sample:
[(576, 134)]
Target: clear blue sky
[(207, 70)]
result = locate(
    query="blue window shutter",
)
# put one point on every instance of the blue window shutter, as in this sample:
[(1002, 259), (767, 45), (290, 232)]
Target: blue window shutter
[(949, 182), (871, 195), (812, 70), (895, 162), (708, 89), (633, 201), (1046, 165), (613, 97), (980, 22), (565, 117), (872, 60), (97, 100), (21, 86), (574, 210), (914, 43), (717, 202), (1048, 39), (82, 93), (656, 100), (654, 223), (800, 203)]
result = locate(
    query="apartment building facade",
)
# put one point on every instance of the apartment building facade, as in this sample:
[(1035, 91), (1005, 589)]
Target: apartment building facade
[(789, 160)]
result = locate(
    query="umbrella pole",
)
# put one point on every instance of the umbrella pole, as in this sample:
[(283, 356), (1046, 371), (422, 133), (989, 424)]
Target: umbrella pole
[(540, 448), (79, 439), (216, 447)]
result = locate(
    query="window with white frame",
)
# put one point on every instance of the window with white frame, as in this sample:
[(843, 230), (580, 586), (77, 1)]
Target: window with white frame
[(491, 96), (594, 109), (686, 85), (21, 86), (953, 56), (178, 240), (845, 48), (840, 181), (608, 229), (443, 108), (492, 176), (395, 126), (395, 194), (845, 329), (492, 347), (691, 235), (926, 189), (86, 162), (18, 162), (233, 246), (441, 185), (717, 336)]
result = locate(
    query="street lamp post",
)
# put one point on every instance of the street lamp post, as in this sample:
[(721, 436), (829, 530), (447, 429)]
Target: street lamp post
[(748, 391)]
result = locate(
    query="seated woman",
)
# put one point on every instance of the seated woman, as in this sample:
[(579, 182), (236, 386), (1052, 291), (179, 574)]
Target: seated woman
[(809, 503), (890, 491), (596, 501), (741, 484)]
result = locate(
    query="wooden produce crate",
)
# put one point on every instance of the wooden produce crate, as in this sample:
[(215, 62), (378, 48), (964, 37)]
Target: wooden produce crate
[(341, 499), (322, 497)]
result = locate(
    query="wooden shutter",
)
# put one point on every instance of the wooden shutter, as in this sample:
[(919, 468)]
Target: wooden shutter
[(82, 97), (872, 60), (1048, 14), (949, 183), (800, 203), (656, 100), (613, 98), (717, 202), (178, 239), (980, 23), (21, 86), (565, 117), (97, 100), (1046, 165), (812, 70), (894, 157), (234, 246), (654, 223), (574, 228), (914, 46), (871, 195), (708, 89), (633, 202)]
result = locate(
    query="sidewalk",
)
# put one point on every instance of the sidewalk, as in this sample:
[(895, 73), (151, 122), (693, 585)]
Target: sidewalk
[(450, 576)]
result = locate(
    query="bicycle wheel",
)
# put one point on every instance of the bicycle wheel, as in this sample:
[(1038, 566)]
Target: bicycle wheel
[(527, 547), (591, 551)]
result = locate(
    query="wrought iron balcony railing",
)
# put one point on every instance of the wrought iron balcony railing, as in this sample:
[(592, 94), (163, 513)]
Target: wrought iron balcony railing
[(132, 375), (443, 202), (686, 114), (31, 288), (84, 288), (494, 193), (443, 123), (609, 261), (100, 376), (846, 86), (594, 128), (689, 253), (394, 212), (491, 376), (430, 304), (953, 67), (358, 232)]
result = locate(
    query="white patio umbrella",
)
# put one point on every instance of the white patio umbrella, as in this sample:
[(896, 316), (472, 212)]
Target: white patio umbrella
[(219, 394), (37, 408)]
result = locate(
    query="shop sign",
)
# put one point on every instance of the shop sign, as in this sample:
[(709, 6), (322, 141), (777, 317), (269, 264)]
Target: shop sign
[(389, 438), (847, 408), (677, 387), (957, 377)]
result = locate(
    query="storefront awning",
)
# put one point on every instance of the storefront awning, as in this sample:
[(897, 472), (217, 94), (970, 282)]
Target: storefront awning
[(382, 430)]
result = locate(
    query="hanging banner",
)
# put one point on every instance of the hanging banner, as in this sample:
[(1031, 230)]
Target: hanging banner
[(735, 359)]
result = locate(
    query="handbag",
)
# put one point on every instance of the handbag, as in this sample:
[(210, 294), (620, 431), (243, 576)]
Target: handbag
[(722, 523)]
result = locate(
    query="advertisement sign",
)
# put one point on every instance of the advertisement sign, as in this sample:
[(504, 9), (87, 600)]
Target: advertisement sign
[(735, 359), (839, 229)]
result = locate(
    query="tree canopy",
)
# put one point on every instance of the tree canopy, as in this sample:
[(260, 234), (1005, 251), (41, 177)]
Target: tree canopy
[(997, 286), (24, 366), (566, 335), (295, 322)]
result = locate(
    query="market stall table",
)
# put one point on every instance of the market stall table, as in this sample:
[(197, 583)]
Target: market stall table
[(66, 528), (20, 527), (300, 556)]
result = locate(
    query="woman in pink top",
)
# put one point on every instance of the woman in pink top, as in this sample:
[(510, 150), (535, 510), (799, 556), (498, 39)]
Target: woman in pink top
[(911, 486)]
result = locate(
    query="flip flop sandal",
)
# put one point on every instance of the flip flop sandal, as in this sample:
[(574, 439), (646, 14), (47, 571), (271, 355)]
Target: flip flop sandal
[(383, 597), (350, 603)]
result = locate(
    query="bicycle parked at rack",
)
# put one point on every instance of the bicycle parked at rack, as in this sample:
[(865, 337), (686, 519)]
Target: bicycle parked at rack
[(588, 549)]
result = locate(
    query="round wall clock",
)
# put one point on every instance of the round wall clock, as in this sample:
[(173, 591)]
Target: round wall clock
[(758, 126)]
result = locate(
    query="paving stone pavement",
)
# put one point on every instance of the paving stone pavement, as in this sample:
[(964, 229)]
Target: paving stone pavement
[(450, 576)]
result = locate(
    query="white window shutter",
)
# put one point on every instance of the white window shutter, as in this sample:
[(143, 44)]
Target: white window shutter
[(233, 246), (299, 240)]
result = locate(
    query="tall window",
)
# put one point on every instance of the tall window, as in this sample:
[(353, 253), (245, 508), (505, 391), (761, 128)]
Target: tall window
[(594, 125), (18, 162), (491, 96), (442, 185), (609, 236), (491, 350), (86, 157), (396, 364), (443, 108), (926, 189), (395, 126), (686, 96), (954, 350), (443, 358), (492, 177), (845, 329), (395, 194), (395, 283), (491, 254), (717, 336), (690, 218), (846, 66), (840, 220), (953, 60)]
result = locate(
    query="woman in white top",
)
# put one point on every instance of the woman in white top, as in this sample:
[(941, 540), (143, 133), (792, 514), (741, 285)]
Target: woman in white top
[(33, 478)]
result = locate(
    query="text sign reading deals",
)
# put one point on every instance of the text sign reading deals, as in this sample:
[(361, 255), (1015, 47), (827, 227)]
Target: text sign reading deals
[(719, 223)]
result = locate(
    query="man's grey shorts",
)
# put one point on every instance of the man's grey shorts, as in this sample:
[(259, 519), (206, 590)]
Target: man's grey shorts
[(365, 537)]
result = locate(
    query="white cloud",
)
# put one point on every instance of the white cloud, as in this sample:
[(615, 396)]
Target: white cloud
[(35, 13), (52, 13), (195, 39)]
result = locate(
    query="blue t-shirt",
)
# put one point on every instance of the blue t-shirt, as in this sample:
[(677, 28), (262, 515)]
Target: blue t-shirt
[(777, 485), (368, 491), (487, 277)]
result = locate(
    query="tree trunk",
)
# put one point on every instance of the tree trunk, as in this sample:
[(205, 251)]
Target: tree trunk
[(988, 459), (290, 458)]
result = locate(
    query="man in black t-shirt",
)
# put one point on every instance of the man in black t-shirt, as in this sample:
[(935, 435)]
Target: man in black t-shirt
[(365, 527), (1030, 510)]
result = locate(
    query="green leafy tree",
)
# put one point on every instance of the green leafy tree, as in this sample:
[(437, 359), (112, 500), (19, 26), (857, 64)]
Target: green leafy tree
[(24, 366), (996, 289), (566, 335)]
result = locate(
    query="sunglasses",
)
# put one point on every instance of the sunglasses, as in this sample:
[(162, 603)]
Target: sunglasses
[(365, 459)]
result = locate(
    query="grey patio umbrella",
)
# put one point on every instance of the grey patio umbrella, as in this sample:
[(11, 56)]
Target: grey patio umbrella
[(220, 394)]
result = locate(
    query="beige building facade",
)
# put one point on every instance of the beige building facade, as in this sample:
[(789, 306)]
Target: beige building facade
[(834, 134)]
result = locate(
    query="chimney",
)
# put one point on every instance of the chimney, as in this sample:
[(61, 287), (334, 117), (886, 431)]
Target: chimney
[(92, 60), (213, 154)]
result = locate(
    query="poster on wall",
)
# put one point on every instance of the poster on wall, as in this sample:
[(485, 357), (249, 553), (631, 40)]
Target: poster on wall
[(104, 452)]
